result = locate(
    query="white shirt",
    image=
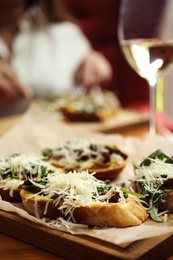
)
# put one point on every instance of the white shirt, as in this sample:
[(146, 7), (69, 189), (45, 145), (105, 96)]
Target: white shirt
[(45, 58)]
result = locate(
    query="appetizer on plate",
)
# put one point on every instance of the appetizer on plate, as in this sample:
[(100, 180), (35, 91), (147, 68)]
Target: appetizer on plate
[(80, 105), (154, 179), (91, 107), (79, 197), (107, 161), (17, 168)]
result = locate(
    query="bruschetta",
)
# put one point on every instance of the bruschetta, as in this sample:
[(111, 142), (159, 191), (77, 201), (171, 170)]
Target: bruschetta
[(107, 161), (17, 168), (154, 179), (79, 197)]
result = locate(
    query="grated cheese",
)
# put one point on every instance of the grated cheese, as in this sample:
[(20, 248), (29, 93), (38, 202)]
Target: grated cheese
[(152, 177), (78, 154), (84, 101), (14, 169), (155, 174), (76, 189)]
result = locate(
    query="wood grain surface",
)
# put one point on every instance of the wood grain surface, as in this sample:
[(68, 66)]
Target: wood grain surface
[(11, 248), (73, 247)]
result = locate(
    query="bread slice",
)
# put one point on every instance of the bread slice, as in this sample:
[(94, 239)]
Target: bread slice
[(9, 190), (106, 161), (17, 168), (109, 173), (125, 214), (95, 105), (106, 173), (10, 195), (71, 114)]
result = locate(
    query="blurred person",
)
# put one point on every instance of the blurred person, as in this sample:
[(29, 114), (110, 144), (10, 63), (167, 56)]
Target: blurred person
[(42, 53), (98, 20)]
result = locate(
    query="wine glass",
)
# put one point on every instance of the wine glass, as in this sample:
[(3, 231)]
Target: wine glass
[(145, 33)]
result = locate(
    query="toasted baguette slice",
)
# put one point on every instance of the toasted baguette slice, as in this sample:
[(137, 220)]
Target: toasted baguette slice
[(106, 161), (17, 169), (107, 173), (71, 114), (11, 197), (10, 191), (125, 214), (91, 106)]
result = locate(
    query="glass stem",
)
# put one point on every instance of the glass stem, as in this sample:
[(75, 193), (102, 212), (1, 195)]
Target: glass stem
[(152, 115)]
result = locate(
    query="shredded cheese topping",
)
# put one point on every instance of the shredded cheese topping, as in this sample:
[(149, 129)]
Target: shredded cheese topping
[(154, 178), (84, 101), (156, 173), (16, 168), (83, 154), (76, 189)]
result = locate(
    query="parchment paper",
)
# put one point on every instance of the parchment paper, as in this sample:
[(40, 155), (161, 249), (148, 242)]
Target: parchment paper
[(37, 130)]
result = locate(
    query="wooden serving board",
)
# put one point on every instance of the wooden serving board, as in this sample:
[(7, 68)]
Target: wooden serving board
[(121, 120), (117, 123), (82, 247)]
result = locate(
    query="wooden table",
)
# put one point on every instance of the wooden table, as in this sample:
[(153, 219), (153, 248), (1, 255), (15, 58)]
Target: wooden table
[(11, 248)]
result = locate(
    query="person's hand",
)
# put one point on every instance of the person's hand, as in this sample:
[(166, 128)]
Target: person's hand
[(94, 71), (11, 90)]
